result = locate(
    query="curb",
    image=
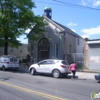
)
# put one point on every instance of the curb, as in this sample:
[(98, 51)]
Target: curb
[(91, 71)]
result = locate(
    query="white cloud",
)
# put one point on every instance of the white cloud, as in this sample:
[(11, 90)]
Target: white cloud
[(85, 36), (91, 31), (93, 3), (72, 24), (96, 3)]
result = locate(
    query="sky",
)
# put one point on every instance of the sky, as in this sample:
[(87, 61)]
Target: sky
[(81, 16)]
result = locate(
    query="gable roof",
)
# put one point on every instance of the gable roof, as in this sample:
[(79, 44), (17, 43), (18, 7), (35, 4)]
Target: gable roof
[(62, 27), (68, 30)]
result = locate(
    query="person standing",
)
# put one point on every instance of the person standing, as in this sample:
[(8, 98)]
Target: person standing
[(73, 69)]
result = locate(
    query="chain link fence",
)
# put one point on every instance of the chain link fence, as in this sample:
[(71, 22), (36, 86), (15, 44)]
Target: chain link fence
[(78, 58)]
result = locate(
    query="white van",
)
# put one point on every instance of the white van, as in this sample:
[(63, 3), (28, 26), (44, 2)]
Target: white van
[(9, 62)]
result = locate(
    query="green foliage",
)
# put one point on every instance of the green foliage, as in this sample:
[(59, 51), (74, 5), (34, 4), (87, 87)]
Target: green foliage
[(38, 28), (79, 67), (16, 16)]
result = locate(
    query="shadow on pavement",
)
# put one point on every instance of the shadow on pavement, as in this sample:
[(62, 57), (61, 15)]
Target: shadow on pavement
[(21, 71), (76, 77)]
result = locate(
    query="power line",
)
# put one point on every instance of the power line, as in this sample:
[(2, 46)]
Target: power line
[(75, 5), (47, 2), (68, 4)]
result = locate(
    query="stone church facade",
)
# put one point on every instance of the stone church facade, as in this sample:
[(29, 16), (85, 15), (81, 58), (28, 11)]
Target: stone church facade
[(57, 42)]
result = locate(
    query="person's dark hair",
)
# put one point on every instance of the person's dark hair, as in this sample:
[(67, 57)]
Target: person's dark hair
[(73, 62)]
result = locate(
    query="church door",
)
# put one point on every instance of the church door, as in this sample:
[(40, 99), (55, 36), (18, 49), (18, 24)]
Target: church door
[(43, 49)]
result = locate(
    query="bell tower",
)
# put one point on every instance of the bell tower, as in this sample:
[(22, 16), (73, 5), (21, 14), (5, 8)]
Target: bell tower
[(48, 12)]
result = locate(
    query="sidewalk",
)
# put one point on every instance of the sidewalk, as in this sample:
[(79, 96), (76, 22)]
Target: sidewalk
[(86, 75)]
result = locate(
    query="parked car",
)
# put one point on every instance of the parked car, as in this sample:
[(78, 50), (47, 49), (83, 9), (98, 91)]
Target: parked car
[(51, 66), (9, 62), (97, 77)]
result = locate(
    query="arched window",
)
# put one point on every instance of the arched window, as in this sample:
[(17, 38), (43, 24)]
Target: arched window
[(44, 42)]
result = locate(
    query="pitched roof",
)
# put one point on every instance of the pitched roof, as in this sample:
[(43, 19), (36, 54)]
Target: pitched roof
[(68, 30), (62, 27)]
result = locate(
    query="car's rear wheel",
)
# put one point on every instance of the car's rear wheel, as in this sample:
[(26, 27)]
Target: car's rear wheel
[(32, 71), (56, 73)]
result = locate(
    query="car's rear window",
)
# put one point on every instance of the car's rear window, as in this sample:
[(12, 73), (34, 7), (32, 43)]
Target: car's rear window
[(11, 59), (65, 62), (16, 60)]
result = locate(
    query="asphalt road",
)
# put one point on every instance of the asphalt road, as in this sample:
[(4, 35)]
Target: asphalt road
[(20, 85)]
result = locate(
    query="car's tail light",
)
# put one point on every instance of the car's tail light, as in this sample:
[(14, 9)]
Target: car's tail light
[(7, 62), (63, 66)]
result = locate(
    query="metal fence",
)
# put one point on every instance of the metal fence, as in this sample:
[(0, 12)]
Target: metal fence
[(78, 58)]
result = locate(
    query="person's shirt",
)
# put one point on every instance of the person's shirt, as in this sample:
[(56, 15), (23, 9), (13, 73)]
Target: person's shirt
[(73, 66)]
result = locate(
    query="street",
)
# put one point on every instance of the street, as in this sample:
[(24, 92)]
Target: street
[(20, 85)]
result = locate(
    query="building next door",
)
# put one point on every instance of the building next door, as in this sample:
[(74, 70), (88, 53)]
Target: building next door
[(43, 49), (94, 56)]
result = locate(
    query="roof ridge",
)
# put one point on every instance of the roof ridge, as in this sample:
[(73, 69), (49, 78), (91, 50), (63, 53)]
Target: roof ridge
[(54, 23)]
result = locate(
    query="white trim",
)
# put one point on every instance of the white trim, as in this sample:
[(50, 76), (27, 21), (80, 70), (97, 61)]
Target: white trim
[(93, 42)]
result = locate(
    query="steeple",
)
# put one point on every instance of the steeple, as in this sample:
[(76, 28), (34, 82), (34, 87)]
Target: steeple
[(48, 12)]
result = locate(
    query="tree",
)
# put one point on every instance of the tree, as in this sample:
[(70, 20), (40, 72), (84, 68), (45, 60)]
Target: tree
[(16, 16)]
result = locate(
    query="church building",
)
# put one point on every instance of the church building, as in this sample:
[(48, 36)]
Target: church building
[(58, 42)]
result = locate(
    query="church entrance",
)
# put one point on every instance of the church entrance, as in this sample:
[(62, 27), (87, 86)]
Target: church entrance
[(43, 49)]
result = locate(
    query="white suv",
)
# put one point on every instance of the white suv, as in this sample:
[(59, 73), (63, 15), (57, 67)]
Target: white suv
[(51, 66)]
